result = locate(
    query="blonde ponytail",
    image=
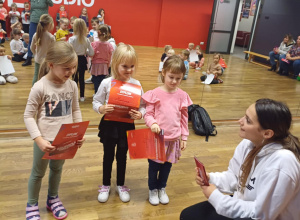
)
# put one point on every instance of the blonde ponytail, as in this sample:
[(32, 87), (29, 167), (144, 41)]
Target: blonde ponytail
[(43, 26)]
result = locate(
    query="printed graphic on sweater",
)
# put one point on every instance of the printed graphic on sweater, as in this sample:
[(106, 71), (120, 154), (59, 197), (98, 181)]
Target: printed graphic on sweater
[(58, 108)]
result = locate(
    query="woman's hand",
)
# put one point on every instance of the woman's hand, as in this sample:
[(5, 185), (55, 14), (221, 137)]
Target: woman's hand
[(79, 143), (155, 128), (183, 145), (134, 114), (44, 145), (288, 56), (207, 190), (106, 108), (199, 180)]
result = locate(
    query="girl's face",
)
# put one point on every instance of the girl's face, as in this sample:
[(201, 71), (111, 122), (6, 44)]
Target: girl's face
[(13, 9), (26, 7), (216, 59), (64, 26), (191, 46), (172, 81), (62, 8), (60, 73), (285, 40), (250, 128), (298, 41), (1, 5), (125, 70), (170, 53), (17, 37), (84, 11)]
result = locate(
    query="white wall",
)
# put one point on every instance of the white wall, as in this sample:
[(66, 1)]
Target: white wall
[(245, 24)]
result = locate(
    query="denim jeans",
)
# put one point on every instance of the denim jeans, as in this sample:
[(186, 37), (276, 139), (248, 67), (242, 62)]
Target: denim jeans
[(296, 66), (32, 30), (273, 56)]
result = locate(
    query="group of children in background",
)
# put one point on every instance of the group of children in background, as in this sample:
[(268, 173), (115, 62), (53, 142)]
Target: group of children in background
[(193, 57)]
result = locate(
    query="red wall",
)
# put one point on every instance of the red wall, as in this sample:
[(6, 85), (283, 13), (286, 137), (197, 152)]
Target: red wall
[(149, 23)]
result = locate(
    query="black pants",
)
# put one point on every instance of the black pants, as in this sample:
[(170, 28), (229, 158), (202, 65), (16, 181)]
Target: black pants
[(79, 75), (2, 41), (109, 145), (158, 174), (26, 28), (97, 81), (203, 211), (3, 24), (18, 57)]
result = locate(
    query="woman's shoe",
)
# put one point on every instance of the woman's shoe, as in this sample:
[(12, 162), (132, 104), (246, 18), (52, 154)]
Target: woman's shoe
[(273, 68)]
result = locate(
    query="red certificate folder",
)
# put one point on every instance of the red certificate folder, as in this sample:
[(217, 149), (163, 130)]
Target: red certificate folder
[(125, 96), (2, 17), (202, 171), (65, 141), (62, 14), (143, 143), (222, 63)]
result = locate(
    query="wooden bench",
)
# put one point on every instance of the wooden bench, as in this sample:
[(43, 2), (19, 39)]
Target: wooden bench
[(252, 55)]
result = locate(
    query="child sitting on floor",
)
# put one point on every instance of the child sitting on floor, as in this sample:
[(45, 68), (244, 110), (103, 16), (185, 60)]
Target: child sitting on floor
[(185, 56), (214, 68), (6, 76), (16, 46)]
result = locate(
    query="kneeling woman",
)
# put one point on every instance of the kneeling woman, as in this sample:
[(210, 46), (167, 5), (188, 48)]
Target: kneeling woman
[(263, 175)]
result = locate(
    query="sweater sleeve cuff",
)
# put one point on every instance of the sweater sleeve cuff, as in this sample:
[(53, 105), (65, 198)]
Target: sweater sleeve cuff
[(214, 197)]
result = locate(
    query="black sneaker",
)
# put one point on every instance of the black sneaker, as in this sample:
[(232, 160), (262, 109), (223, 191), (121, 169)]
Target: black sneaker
[(27, 62)]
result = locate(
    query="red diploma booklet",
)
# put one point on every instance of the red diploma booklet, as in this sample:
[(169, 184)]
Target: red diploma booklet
[(222, 63), (143, 143), (2, 17), (125, 96), (202, 171), (62, 14), (65, 141)]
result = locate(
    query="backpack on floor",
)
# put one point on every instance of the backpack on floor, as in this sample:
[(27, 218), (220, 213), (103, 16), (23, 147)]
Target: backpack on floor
[(201, 122)]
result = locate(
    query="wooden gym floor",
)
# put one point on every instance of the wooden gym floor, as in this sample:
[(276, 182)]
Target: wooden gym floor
[(226, 103)]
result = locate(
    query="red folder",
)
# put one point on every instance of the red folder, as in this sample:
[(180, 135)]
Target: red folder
[(222, 63), (65, 141), (202, 171), (125, 96), (62, 14), (143, 143), (2, 17)]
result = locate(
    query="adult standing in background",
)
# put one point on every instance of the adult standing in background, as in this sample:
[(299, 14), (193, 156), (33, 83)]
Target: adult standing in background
[(37, 9)]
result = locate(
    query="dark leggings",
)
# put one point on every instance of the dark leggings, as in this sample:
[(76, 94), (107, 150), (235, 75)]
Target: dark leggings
[(203, 211), (109, 145), (79, 75)]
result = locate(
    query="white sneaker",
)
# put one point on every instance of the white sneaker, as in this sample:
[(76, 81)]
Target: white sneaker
[(123, 192), (153, 197), (204, 73), (89, 80), (163, 197), (82, 99), (103, 193)]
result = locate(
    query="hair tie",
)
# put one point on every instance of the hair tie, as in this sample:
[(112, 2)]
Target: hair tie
[(41, 23)]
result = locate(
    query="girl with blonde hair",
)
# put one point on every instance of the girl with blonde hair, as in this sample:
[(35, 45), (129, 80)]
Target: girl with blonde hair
[(82, 47), (41, 41), (53, 101), (113, 133)]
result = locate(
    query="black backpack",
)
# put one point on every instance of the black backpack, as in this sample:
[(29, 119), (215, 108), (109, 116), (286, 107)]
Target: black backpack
[(201, 122)]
